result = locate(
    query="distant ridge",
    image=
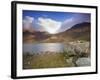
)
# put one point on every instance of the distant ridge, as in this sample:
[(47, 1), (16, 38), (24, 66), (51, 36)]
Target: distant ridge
[(79, 31)]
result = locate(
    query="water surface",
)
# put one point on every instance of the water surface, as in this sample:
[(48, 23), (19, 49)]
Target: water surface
[(43, 47)]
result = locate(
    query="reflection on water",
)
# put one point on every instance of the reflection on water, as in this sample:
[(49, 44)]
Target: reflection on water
[(42, 47)]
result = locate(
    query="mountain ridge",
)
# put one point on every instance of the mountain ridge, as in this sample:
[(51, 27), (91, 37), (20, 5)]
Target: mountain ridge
[(79, 31)]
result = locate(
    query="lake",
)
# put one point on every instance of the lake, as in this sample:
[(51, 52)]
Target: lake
[(43, 47)]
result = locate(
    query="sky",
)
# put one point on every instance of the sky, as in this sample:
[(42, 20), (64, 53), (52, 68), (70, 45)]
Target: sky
[(52, 22)]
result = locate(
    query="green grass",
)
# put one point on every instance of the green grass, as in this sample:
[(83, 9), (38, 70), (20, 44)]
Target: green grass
[(46, 60)]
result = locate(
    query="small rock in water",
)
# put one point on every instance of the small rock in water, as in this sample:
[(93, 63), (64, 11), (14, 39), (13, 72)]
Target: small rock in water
[(83, 62)]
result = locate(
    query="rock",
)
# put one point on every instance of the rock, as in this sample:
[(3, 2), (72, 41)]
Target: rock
[(70, 50), (83, 61), (70, 61), (82, 49)]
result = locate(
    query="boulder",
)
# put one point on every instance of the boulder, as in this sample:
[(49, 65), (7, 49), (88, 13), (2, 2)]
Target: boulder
[(83, 61)]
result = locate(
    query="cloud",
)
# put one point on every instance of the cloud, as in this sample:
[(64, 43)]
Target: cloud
[(67, 24), (49, 25), (76, 19), (27, 22), (68, 20)]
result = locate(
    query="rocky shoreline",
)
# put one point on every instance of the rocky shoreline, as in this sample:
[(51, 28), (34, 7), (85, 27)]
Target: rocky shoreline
[(74, 55)]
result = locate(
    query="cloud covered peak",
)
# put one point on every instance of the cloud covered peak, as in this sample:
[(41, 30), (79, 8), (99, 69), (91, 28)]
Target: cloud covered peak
[(49, 25)]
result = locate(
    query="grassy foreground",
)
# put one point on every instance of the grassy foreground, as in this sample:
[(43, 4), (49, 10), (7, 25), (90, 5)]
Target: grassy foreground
[(44, 60)]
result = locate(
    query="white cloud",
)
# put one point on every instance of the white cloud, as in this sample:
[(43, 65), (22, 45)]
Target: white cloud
[(49, 25), (68, 20), (76, 19), (67, 24), (27, 22)]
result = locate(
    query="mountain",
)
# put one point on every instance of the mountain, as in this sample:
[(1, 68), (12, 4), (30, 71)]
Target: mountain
[(81, 25), (34, 36), (79, 31)]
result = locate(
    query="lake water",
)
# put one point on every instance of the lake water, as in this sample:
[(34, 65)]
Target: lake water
[(43, 47)]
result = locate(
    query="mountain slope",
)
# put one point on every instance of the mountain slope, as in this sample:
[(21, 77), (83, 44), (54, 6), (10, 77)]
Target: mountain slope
[(79, 31)]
